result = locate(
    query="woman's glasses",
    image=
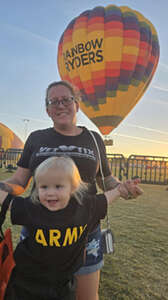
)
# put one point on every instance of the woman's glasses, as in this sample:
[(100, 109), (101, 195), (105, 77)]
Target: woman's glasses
[(66, 101)]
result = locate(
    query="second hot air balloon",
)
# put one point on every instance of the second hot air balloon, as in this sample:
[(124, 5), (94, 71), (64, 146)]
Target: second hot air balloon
[(8, 139)]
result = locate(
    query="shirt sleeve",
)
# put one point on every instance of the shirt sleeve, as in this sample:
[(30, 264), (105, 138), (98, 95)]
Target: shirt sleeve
[(98, 207), (19, 214), (27, 152)]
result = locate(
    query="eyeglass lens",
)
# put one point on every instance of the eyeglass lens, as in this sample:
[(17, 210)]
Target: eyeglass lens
[(65, 101)]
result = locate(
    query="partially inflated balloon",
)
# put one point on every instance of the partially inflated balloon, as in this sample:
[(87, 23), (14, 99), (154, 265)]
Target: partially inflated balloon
[(110, 53), (8, 139)]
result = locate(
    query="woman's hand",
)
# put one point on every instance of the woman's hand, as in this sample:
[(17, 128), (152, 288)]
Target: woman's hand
[(130, 189), (11, 188)]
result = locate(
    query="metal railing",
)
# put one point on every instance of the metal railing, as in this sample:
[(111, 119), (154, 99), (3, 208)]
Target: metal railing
[(117, 164), (1, 157), (10, 157), (150, 169)]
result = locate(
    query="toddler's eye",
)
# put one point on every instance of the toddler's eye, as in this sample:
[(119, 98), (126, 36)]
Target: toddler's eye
[(58, 186), (43, 187)]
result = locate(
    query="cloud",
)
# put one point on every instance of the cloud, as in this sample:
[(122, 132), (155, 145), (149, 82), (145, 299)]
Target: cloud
[(160, 102), (29, 33), (160, 88), (25, 118), (163, 65), (140, 139), (148, 129)]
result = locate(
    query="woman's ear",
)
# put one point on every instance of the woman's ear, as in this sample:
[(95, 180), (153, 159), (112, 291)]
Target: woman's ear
[(77, 106), (47, 111)]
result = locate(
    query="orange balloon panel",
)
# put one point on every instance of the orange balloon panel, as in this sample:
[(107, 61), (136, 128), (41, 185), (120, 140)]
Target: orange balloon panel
[(111, 54), (8, 139)]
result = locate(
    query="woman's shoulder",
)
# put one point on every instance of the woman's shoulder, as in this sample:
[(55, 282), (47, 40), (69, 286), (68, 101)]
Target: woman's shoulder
[(41, 132), (97, 136), (90, 132)]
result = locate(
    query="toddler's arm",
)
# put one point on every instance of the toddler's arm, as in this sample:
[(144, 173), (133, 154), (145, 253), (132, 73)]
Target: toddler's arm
[(111, 195)]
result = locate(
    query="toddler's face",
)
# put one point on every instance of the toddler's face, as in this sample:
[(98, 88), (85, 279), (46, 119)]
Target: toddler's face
[(54, 189)]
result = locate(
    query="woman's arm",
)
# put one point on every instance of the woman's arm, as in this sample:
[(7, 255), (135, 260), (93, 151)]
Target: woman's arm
[(110, 182), (128, 188), (3, 195), (20, 178)]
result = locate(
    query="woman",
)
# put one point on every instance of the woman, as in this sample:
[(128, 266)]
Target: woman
[(65, 137)]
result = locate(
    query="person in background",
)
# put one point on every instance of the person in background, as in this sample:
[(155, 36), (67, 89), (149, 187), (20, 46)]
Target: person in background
[(58, 215), (66, 138)]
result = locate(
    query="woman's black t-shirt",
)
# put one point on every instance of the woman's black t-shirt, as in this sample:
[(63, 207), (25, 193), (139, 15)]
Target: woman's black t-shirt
[(42, 144)]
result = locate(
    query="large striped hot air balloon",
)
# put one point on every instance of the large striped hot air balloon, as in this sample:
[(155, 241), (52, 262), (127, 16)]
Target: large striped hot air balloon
[(8, 139), (111, 54)]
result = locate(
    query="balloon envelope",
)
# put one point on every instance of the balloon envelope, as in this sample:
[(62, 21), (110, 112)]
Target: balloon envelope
[(8, 139), (110, 53)]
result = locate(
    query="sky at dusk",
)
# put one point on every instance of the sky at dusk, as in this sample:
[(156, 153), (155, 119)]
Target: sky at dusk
[(29, 37)]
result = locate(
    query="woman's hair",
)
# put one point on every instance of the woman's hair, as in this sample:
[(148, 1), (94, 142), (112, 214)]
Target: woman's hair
[(73, 89), (66, 164)]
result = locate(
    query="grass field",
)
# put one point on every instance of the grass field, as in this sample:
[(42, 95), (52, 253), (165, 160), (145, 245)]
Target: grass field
[(138, 270)]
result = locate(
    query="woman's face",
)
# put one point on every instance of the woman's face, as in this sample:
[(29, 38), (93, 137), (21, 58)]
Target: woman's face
[(62, 116)]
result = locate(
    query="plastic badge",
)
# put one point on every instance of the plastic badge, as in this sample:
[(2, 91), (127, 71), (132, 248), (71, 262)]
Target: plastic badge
[(107, 241)]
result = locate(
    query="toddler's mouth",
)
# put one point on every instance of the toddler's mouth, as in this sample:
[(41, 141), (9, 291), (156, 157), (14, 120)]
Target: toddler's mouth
[(52, 201)]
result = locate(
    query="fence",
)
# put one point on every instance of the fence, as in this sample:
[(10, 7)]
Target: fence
[(150, 169), (117, 164), (1, 157), (9, 158)]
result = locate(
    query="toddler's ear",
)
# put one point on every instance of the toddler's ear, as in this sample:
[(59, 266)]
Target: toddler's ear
[(73, 189)]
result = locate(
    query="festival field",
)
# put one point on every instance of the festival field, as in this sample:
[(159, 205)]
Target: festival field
[(138, 270)]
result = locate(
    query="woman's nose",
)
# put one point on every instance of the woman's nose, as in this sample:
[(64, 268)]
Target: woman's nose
[(60, 104)]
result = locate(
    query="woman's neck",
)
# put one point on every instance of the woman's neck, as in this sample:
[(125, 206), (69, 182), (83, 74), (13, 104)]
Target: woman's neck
[(73, 130)]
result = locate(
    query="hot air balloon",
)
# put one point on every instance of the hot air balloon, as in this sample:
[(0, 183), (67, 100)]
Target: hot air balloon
[(111, 54), (8, 139)]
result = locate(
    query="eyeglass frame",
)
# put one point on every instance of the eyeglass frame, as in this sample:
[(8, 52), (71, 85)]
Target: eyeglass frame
[(56, 102)]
